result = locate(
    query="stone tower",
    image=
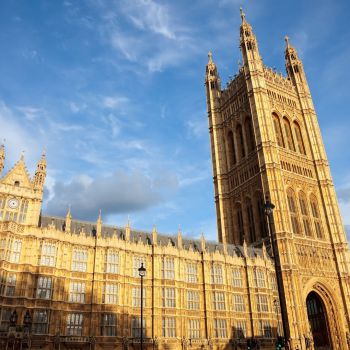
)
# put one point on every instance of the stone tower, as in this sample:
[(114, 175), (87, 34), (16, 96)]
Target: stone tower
[(266, 142)]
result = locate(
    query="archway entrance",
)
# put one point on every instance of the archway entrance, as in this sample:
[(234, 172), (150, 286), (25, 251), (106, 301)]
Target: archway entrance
[(318, 321)]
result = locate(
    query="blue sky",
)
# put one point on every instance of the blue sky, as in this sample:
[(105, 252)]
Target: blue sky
[(114, 90)]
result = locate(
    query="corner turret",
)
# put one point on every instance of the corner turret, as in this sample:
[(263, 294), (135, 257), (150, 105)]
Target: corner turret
[(40, 174)]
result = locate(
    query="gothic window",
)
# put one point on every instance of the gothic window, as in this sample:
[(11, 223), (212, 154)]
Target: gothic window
[(305, 214), (169, 327), (316, 217), (74, 324), (232, 160), (110, 294), (237, 278), (299, 137), (108, 325), (259, 278), (240, 141), (219, 301), (216, 274), (261, 303), (77, 292), (137, 261), (192, 300), (2, 206), (250, 216), (289, 136), (193, 329), (265, 329), (79, 260), (240, 329), (136, 297), (220, 328), (44, 287), (8, 284), (23, 211), (136, 327), (168, 268), (192, 275), (261, 214), (40, 321), (278, 130), (293, 212), (48, 254), (238, 302), (169, 297), (15, 250), (249, 135), (239, 222), (111, 262)]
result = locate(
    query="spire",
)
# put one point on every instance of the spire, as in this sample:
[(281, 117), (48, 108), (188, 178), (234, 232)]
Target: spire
[(68, 222), (179, 238), (294, 65), (286, 39), (154, 235), (2, 157), (242, 15), (127, 230), (40, 174), (212, 78), (202, 240), (99, 225)]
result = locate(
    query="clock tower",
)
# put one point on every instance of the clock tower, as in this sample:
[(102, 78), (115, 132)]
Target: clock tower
[(20, 196)]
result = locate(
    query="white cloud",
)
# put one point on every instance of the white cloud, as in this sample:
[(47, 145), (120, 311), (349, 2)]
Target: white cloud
[(31, 112), (115, 102), (197, 127)]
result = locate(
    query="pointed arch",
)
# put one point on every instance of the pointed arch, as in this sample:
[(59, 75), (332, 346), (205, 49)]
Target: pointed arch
[(249, 134), (289, 135), (299, 138), (250, 216), (239, 222), (305, 213), (293, 211), (231, 157), (278, 130), (240, 141), (259, 204), (316, 216)]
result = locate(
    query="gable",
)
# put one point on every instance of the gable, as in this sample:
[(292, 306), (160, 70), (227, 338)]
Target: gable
[(18, 173)]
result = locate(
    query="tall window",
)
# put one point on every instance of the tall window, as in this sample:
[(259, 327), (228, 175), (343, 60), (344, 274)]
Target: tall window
[(240, 141), (192, 274), (259, 278), (23, 211), (216, 274), (218, 301), (108, 325), (238, 302), (261, 213), (44, 287), (111, 262), (74, 324), (5, 318), (273, 281), (289, 136), (240, 329), (249, 134), (110, 295), (220, 328), (250, 215), (168, 268), (136, 327), (40, 321), (136, 297), (193, 329), (8, 284), (79, 260), (136, 264), (15, 253), (299, 138), (169, 327), (265, 329), (237, 278), (316, 216), (305, 214), (168, 297), (192, 300), (278, 130), (77, 292), (2, 206), (3, 249), (261, 303), (48, 254), (239, 222), (232, 160), (293, 212)]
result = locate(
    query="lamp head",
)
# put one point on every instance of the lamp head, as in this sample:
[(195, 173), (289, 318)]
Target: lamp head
[(142, 271)]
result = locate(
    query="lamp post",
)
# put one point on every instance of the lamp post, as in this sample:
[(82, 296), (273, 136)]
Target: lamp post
[(268, 208), (142, 274)]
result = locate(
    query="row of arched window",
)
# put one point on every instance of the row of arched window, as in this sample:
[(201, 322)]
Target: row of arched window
[(288, 135), (304, 214), (239, 142), (251, 212)]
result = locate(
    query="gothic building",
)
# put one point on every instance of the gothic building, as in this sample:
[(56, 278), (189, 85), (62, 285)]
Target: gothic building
[(69, 284)]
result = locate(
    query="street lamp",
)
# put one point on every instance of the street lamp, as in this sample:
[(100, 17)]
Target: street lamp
[(142, 274), (268, 208)]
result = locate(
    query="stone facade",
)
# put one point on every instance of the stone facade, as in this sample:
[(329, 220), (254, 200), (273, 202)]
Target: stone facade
[(266, 145)]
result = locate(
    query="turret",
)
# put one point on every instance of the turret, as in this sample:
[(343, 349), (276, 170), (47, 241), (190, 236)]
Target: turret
[(249, 46), (212, 80), (40, 174), (99, 225), (68, 222), (2, 158)]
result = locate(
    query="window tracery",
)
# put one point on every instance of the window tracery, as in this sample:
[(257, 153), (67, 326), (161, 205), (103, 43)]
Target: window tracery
[(278, 130), (293, 212), (289, 135)]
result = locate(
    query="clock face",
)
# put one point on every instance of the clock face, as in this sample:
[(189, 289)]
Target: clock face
[(13, 203)]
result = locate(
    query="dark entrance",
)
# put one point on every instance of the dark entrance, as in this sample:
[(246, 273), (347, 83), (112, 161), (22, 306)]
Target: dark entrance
[(318, 321)]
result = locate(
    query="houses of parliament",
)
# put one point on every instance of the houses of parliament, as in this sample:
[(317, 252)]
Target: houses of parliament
[(281, 267)]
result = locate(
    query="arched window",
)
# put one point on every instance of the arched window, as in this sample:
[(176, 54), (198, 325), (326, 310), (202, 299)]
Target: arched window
[(250, 216), (316, 217), (278, 130), (249, 135), (23, 211), (239, 222), (305, 214), (289, 136), (232, 160), (2, 206), (261, 214), (299, 137), (240, 141), (293, 212)]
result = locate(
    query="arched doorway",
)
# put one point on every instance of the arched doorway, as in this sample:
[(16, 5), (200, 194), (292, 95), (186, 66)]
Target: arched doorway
[(316, 313)]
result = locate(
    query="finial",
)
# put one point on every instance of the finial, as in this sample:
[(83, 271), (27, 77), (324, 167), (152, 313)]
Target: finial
[(3, 143), (99, 215), (286, 39), (242, 14), (210, 57), (43, 154), (22, 155)]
